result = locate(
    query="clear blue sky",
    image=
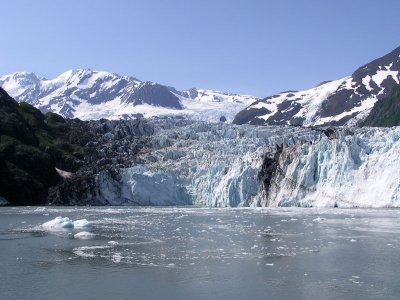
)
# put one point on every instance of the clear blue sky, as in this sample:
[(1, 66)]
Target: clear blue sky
[(257, 47)]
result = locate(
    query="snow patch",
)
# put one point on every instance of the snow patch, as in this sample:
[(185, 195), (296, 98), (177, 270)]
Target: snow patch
[(381, 75), (64, 174)]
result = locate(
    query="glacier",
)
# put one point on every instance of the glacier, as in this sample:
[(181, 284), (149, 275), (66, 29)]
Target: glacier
[(222, 165)]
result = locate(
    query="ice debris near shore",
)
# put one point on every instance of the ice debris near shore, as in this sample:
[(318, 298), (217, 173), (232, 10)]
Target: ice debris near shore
[(61, 223)]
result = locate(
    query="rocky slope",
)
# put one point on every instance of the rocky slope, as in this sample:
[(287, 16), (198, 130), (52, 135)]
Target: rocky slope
[(92, 95), (347, 101), (32, 146), (385, 113)]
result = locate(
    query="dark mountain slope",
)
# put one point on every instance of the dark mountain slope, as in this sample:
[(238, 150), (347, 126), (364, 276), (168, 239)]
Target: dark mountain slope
[(346, 101), (32, 146), (385, 113)]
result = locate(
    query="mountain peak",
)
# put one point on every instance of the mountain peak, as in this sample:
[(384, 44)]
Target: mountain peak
[(346, 101)]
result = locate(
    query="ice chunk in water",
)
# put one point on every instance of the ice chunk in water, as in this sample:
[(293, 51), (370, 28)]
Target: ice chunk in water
[(58, 223), (82, 224), (84, 235)]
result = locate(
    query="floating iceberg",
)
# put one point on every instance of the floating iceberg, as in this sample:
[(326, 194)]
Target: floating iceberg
[(61, 223), (58, 224)]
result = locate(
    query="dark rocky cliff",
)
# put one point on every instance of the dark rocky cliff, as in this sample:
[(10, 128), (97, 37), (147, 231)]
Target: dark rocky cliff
[(32, 146)]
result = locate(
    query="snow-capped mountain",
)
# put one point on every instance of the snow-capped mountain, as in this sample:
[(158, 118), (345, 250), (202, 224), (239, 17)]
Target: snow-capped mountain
[(345, 101), (89, 95)]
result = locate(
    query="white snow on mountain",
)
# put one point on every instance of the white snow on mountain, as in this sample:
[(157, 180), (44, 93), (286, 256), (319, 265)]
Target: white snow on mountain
[(345, 101), (88, 94), (310, 101)]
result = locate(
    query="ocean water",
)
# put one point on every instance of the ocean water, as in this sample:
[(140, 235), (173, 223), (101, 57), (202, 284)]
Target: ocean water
[(197, 253)]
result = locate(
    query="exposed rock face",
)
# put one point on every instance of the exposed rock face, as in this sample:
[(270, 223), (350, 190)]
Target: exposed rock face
[(346, 101), (269, 169), (114, 146), (154, 94)]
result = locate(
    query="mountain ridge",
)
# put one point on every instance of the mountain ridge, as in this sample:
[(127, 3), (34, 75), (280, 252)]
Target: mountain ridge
[(346, 101), (91, 95), (88, 94)]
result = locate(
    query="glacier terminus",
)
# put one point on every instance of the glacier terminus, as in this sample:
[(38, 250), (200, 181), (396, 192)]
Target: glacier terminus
[(183, 162)]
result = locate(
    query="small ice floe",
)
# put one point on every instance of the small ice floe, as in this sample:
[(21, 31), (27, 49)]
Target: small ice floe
[(318, 219), (355, 279), (61, 223), (116, 257), (82, 224), (112, 242), (269, 265), (84, 235), (353, 240)]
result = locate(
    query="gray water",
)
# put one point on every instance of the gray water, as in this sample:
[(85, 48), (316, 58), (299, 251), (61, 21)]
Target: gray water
[(194, 253)]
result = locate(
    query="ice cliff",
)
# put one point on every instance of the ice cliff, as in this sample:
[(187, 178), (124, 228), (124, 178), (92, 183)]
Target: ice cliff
[(346, 168), (181, 162)]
